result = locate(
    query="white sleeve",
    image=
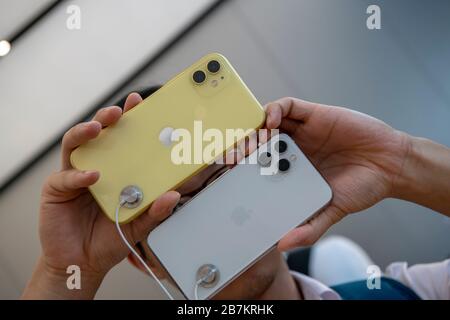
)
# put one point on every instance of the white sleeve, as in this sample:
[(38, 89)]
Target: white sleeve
[(428, 281)]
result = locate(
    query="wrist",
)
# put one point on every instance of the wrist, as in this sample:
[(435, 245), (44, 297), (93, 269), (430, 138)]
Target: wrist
[(404, 182), (425, 175), (54, 284)]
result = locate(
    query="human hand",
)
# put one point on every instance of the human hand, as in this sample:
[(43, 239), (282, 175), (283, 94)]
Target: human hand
[(360, 157), (74, 231)]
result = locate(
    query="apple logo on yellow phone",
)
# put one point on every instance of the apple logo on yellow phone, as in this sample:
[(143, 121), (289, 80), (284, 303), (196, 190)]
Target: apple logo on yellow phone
[(165, 136)]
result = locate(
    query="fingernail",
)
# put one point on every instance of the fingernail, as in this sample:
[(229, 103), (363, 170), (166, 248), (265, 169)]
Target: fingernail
[(90, 172), (178, 199), (114, 107), (95, 124), (170, 207)]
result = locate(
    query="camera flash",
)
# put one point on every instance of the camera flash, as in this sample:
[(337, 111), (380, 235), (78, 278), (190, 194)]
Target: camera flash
[(214, 83)]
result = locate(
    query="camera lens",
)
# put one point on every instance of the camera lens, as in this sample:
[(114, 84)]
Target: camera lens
[(264, 159), (199, 76), (281, 146), (284, 165), (213, 66)]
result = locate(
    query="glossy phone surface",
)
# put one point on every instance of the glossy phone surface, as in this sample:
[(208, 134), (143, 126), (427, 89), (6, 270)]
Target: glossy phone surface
[(131, 152), (234, 221)]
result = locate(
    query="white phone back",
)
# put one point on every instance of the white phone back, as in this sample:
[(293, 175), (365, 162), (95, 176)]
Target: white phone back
[(238, 218)]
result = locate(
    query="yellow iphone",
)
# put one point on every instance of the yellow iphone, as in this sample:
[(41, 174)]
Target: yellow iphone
[(145, 149)]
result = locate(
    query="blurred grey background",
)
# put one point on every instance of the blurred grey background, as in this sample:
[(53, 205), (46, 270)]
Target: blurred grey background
[(319, 50)]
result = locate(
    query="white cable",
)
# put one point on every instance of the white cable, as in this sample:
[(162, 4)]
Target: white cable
[(197, 284), (136, 254), (200, 281)]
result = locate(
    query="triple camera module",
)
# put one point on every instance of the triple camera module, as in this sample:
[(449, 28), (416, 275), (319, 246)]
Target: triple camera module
[(199, 76), (265, 158)]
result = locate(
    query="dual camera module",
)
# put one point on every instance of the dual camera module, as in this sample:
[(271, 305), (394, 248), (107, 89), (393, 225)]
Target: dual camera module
[(265, 158), (199, 76)]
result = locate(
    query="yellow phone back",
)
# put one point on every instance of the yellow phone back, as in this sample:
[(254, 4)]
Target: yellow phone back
[(131, 153)]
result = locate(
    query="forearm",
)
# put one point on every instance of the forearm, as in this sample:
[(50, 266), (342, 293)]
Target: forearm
[(425, 176), (46, 284)]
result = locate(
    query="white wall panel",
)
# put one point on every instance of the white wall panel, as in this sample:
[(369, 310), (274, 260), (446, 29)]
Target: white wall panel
[(53, 75), (15, 13)]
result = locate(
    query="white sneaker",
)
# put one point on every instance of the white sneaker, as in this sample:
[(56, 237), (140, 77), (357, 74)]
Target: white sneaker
[(336, 259)]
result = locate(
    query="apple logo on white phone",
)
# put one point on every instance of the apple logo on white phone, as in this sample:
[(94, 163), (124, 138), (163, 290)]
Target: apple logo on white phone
[(241, 215)]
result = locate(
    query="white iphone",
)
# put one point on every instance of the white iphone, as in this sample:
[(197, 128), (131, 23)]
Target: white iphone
[(238, 218)]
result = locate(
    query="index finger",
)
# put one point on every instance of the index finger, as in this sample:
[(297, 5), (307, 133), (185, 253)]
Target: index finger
[(77, 135), (133, 100)]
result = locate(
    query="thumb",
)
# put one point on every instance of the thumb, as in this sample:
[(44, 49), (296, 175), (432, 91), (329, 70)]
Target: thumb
[(308, 233), (161, 208), (288, 108)]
